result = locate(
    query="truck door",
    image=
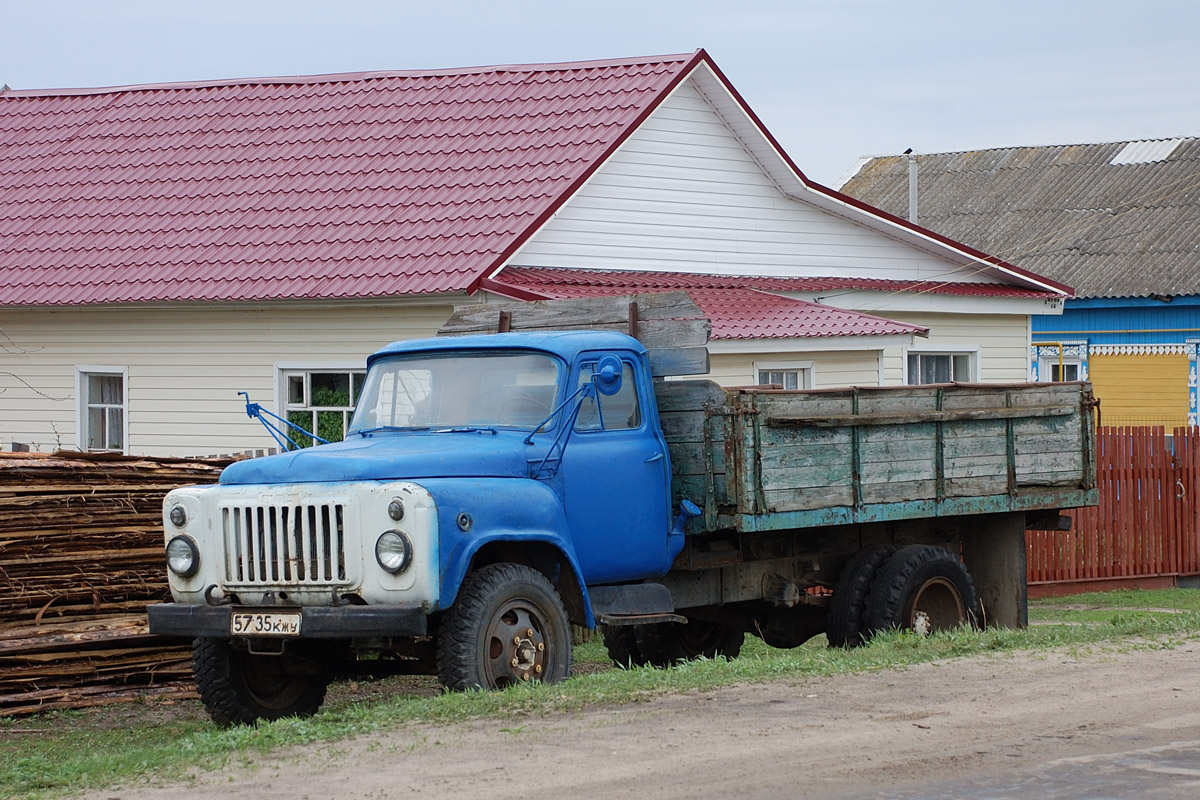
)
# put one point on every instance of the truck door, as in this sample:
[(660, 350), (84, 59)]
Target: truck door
[(617, 480)]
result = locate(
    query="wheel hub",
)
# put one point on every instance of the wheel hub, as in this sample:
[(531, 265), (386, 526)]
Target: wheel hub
[(517, 647), (935, 606)]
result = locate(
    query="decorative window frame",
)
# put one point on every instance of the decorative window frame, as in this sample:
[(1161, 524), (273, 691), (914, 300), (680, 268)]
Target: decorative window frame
[(1074, 351), (82, 371), (284, 369), (806, 371), (951, 350), (1193, 354)]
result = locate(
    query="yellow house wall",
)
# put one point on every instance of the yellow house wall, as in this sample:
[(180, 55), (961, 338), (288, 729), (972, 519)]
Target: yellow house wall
[(1141, 389)]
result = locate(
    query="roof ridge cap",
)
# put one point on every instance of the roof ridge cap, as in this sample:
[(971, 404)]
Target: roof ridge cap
[(879, 157), (347, 77)]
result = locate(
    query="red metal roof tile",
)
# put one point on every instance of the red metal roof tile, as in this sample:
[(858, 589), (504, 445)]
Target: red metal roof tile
[(739, 308), (314, 187)]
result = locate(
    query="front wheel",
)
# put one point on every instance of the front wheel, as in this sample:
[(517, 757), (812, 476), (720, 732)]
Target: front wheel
[(507, 626), (239, 687)]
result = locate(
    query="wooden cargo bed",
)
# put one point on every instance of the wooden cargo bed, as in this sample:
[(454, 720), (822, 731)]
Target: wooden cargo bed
[(762, 459)]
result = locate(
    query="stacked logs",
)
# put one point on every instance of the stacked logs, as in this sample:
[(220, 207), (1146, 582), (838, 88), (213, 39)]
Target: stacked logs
[(81, 556)]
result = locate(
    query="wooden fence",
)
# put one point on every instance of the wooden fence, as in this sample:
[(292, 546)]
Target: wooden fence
[(1146, 529)]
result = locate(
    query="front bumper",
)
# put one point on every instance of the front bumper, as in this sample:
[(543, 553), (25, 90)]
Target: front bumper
[(342, 622)]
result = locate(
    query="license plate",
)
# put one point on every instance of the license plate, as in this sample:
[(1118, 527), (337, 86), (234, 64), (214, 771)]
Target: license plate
[(264, 623)]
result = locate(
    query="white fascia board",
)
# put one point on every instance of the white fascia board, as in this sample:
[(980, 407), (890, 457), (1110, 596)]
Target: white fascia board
[(805, 345), (776, 165), (885, 303)]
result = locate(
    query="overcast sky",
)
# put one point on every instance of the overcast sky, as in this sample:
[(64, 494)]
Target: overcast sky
[(833, 80)]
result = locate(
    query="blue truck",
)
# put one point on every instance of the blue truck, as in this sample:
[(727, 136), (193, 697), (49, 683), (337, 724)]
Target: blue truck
[(493, 490)]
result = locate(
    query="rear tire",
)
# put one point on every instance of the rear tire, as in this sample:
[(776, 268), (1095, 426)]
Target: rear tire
[(923, 589), (240, 688), (507, 626), (621, 643), (847, 611), (668, 643)]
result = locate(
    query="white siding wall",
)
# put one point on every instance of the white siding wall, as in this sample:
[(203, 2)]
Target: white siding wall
[(1001, 342), (185, 367), (830, 369), (682, 194)]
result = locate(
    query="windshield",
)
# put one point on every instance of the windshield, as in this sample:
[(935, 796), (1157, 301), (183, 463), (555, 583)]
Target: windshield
[(491, 389)]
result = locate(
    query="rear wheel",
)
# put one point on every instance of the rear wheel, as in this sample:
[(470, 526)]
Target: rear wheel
[(621, 643), (239, 687), (923, 589), (847, 610), (669, 643), (507, 626)]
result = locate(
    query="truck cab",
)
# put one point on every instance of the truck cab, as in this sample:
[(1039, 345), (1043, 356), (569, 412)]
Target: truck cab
[(525, 467)]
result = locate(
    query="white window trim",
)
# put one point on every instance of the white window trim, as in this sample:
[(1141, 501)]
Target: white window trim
[(284, 367), (807, 370), (949, 350), (81, 402)]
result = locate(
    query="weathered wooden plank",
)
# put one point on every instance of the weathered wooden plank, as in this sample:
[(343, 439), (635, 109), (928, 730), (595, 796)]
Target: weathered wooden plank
[(899, 491), (691, 458), (1052, 444), (693, 395), (973, 448), (568, 313), (682, 426), (896, 470), (906, 417), (681, 361), (805, 478), (807, 499), (813, 454), (1046, 463)]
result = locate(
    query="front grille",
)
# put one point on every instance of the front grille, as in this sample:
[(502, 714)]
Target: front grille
[(298, 545)]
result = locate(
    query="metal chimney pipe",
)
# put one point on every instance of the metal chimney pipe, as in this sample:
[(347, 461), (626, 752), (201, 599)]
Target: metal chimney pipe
[(912, 185)]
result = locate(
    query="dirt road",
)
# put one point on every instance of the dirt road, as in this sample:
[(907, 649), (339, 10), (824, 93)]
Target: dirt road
[(1052, 726)]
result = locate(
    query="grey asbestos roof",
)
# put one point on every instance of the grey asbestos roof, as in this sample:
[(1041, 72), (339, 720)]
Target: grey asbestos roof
[(1112, 220)]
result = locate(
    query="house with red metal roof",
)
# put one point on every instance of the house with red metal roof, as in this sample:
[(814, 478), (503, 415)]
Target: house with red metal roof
[(163, 247)]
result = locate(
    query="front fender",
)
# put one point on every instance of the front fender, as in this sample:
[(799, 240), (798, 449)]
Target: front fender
[(475, 512)]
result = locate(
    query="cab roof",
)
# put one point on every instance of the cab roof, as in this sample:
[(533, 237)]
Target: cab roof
[(566, 344)]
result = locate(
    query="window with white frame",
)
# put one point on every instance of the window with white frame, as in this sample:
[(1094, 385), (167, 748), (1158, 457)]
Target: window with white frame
[(785, 374), (1054, 369), (934, 367), (102, 409), (321, 401)]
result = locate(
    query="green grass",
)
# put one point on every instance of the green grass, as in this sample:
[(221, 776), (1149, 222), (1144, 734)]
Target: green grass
[(57, 753)]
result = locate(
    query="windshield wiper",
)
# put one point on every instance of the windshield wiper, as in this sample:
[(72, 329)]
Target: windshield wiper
[(468, 429), (368, 431)]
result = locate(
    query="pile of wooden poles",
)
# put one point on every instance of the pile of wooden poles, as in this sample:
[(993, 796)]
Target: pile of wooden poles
[(81, 556)]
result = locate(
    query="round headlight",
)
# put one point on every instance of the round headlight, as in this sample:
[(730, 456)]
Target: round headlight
[(178, 516), (393, 551), (183, 557), (396, 510)]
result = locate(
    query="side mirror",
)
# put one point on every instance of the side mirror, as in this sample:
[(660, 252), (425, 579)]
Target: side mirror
[(608, 375)]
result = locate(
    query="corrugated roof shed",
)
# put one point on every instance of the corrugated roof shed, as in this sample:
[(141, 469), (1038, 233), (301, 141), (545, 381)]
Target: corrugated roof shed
[(333, 186), (1112, 220), (739, 308)]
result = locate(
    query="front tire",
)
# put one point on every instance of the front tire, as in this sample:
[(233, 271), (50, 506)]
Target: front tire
[(507, 626), (923, 589), (241, 688)]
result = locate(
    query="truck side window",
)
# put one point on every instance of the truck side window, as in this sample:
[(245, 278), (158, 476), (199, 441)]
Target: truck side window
[(619, 411)]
